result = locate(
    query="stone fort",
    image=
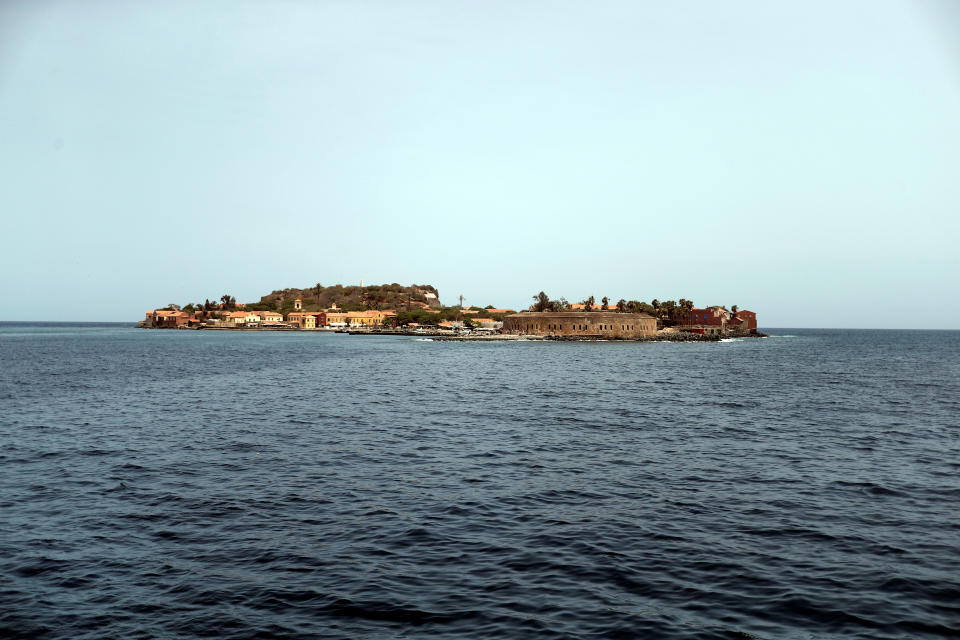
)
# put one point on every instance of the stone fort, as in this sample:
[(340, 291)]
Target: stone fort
[(590, 324)]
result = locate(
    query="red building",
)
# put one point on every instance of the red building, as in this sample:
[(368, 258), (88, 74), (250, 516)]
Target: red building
[(748, 317), (169, 319), (709, 320), (717, 320)]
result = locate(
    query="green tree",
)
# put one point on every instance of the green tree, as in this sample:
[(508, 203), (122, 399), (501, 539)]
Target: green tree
[(668, 309), (541, 302), (588, 304), (621, 305), (606, 303)]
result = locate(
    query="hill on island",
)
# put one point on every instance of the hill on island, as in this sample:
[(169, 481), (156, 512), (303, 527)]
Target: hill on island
[(354, 298)]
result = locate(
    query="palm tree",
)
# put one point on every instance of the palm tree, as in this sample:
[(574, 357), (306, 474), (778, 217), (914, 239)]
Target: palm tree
[(606, 303), (541, 302), (668, 308), (316, 290)]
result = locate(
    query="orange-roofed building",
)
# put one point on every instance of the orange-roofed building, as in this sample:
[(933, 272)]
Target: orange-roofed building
[(364, 318), (243, 317), (333, 319), (302, 319)]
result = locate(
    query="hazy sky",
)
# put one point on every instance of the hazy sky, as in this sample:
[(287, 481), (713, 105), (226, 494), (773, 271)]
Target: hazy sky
[(798, 159)]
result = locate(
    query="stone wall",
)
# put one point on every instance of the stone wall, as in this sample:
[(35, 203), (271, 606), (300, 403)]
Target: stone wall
[(594, 324)]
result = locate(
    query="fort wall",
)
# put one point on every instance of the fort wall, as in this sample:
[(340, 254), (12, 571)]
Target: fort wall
[(593, 324)]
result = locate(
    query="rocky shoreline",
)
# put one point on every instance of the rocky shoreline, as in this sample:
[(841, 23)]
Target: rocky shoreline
[(663, 337)]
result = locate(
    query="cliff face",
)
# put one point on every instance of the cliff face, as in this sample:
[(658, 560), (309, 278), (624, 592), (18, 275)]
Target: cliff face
[(383, 296)]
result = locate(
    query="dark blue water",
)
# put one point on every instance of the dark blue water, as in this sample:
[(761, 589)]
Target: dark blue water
[(168, 484)]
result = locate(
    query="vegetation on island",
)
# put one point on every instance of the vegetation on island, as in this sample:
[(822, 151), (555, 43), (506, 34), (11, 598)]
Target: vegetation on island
[(317, 298), (352, 298), (468, 315), (418, 304), (667, 312)]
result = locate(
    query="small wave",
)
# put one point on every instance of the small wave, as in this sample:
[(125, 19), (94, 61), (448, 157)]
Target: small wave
[(423, 340)]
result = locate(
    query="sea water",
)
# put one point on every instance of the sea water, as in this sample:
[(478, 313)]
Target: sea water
[(174, 484)]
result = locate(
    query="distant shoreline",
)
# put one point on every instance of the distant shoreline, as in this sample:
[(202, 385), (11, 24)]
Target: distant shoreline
[(450, 336)]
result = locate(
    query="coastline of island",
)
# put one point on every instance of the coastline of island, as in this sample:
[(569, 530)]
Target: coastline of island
[(416, 311)]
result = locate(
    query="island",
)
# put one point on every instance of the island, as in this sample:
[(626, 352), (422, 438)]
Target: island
[(417, 310)]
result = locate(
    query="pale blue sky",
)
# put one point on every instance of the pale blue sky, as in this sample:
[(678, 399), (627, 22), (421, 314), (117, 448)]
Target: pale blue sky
[(798, 159)]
